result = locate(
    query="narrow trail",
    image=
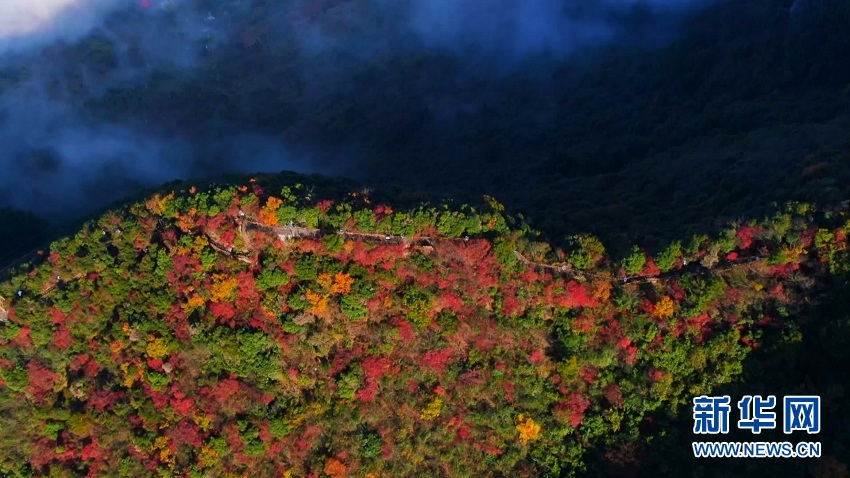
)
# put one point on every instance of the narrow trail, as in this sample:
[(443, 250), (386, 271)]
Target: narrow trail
[(690, 267), (56, 281), (50, 286), (290, 232), (295, 232), (563, 269), (4, 314)]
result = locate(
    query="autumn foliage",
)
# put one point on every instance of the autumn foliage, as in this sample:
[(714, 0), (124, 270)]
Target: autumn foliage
[(527, 428), (427, 342)]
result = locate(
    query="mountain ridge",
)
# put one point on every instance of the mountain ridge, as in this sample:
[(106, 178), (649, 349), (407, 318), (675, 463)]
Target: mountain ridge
[(139, 347)]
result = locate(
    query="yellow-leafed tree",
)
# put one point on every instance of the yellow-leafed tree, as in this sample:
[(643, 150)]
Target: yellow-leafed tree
[(664, 307), (527, 428)]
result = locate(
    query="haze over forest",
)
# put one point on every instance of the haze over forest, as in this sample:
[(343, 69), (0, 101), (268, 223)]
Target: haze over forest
[(53, 133), (580, 114)]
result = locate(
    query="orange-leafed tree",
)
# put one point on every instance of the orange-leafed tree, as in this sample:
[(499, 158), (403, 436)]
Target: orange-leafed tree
[(335, 468), (268, 214), (342, 283)]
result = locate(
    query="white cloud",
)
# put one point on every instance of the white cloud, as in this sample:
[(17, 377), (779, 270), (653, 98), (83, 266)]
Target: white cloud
[(25, 23)]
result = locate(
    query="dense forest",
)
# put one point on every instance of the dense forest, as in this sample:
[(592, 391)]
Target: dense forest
[(268, 329), (502, 259)]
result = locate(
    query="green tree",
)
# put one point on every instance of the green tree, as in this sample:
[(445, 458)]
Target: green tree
[(634, 262)]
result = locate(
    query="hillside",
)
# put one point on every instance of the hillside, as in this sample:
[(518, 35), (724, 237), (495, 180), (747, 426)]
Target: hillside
[(262, 331)]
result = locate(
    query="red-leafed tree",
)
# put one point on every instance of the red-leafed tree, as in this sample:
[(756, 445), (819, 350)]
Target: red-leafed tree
[(437, 360), (41, 380), (62, 337), (578, 295)]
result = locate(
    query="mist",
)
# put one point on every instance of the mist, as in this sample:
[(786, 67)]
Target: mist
[(514, 29), (99, 98), (26, 23)]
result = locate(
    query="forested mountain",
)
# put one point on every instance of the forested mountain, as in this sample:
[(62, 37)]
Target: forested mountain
[(670, 220), (270, 330)]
